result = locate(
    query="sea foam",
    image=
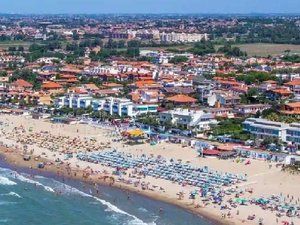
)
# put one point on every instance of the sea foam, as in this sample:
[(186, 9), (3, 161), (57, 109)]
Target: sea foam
[(65, 189), (6, 181), (69, 189), (15, 175), (27, 180), (14, 194)]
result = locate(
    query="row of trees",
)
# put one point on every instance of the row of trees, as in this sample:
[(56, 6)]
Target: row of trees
[(255, 77)]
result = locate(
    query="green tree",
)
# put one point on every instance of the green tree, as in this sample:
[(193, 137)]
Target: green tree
[(179, 59)]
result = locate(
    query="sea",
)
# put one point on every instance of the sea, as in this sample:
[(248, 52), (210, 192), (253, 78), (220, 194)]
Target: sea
[(30, 197)]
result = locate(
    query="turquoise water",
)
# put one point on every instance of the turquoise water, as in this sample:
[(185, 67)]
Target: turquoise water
[(35, 200)]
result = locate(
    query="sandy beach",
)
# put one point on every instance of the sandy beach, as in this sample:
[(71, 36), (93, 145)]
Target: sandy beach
[(49, 143)]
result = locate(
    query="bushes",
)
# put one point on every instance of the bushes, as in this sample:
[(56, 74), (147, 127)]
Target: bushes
[(228, 50), (203, 48)]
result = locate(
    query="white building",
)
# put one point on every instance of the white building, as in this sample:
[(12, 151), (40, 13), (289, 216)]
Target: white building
[(48, 60), (197, 120), (293, 133), (123, 107), (263, 128), (74, 101), (114, 106), (182, 37), (292, 159)]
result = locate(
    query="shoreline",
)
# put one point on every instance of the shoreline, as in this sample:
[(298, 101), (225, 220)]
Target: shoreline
[(12, 161), (62, 149)]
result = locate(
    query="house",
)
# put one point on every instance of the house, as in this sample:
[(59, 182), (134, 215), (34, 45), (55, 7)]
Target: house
[(181, 99), (267, 85), (294, 86), (250, 109), (221, 112), (90, 87), (52, 87), (220, 98), (21, 84), (113, 86), (146, 96), (292, 108), (279, 93)]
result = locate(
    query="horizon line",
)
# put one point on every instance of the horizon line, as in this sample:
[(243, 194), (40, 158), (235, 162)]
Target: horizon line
[(157, 13)]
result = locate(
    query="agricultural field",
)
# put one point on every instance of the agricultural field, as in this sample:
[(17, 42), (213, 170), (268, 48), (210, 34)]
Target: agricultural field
[(260, 49)]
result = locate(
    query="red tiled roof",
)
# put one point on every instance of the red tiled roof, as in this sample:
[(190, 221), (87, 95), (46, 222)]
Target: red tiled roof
[(22, 83), (282, 91), (143, 83), (182, 99), (112, 85), (51, 85), (91, 86), (293, 82), (135, 97), (293, 104)]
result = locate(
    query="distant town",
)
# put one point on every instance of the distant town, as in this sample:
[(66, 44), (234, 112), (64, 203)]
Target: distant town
[(175, 74), (155, 104)]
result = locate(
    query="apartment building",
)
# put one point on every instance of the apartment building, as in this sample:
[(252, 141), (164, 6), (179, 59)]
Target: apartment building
[(114, 106), (263, 128), (123, 107), (190, 119), (293, 133), (74, 101)]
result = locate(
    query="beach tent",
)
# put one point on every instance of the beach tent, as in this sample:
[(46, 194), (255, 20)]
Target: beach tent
[(241, 201), (134, 133)]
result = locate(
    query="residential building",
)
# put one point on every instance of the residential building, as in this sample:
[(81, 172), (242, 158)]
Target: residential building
[(221, 112)]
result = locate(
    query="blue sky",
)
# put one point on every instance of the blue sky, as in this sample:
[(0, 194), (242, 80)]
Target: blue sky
[(149, 6)]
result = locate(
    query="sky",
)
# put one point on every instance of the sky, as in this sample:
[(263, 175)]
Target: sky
[(149, 6)]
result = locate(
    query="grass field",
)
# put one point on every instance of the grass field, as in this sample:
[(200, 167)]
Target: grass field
[(6, 44), (268, 49), (257, 49)]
